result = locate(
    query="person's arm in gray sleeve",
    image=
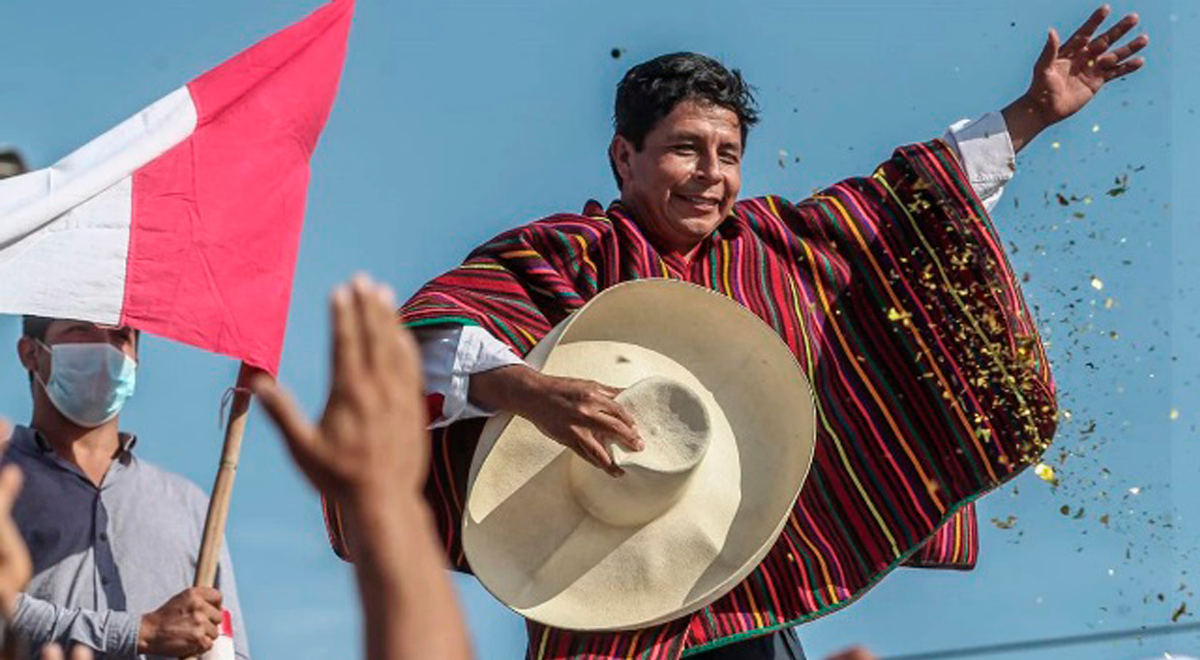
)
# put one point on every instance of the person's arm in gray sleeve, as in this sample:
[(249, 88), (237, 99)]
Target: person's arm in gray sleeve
[(38, 622), (227, 585)]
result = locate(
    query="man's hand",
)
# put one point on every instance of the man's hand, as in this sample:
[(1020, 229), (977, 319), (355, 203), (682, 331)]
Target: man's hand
[(186, 625), (579, 414), (370, 454), (15, 566), (1067, 77), (371, 442)]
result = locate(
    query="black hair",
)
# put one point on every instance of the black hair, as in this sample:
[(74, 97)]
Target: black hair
[(12, 163), (651, 90), (35, 327)]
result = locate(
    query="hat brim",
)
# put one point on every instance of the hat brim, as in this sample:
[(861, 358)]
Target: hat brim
[(534, 547)]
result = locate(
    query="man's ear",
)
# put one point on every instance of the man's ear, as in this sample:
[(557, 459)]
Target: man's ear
[(620, 152), (27, 350)]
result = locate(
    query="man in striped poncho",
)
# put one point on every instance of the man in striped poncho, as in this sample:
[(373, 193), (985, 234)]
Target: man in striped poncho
[(892, 291)]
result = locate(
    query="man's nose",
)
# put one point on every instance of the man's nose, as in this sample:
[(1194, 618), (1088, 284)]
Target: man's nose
[(709, 166)]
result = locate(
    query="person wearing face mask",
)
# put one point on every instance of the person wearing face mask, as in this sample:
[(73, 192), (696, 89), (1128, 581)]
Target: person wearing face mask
[(114, 540)]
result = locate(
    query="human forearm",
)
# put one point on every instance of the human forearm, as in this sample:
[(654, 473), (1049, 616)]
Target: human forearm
[(409, 606), (1025, 121), (38, 622), (507, 389)]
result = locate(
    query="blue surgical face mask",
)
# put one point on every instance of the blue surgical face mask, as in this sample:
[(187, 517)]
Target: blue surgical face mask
[(89, 382)]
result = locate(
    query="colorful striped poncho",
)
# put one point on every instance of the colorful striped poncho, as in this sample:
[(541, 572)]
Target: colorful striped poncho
[(895, 295)]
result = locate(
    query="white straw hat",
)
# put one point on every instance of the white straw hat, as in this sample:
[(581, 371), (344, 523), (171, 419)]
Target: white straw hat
[(727, 417)]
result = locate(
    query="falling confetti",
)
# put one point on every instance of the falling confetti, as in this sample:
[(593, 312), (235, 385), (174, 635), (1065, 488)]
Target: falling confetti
[(1120, 186), (1046, 473), (617, 53), (1055, 146), (1007, 523), (1179, 612), (1097, 284), (783, 157), (897, 315), (1174, 414), (1135, 490), (1095, 128)]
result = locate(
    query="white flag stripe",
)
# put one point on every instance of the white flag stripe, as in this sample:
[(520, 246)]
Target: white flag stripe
[(31, 201), (73, 267)]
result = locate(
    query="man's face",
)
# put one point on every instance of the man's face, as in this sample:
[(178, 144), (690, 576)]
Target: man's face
[(74, 332), (687, 176)]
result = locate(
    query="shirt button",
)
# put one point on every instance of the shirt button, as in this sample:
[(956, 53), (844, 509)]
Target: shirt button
[(104, 537), (104, 580)]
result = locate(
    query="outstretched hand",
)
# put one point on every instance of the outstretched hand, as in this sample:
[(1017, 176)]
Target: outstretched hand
[(371, 441), (1069, 75)]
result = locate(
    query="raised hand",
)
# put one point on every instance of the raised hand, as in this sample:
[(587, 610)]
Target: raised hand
[(371, 440), (369, 454), (1068, 76)]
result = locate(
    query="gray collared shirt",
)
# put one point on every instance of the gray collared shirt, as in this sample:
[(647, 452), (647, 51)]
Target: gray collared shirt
[(104, 556)]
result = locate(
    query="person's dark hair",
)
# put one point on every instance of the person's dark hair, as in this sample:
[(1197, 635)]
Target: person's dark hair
[(11, 163), (35, 327), (651, 90)]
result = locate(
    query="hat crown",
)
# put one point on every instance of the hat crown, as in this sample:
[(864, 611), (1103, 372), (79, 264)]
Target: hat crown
[(676, 431)]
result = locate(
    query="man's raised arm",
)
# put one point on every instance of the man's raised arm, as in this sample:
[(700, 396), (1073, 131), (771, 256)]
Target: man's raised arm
[(1067, 77)]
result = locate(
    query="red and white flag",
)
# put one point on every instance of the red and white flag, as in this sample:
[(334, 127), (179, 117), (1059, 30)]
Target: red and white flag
[(184, 221)]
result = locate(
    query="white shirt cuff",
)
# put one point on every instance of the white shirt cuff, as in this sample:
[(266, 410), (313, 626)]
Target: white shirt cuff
[(450, 355), (985, 150)]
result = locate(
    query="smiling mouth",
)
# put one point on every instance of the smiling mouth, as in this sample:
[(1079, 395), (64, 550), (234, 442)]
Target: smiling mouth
[(702, 202)]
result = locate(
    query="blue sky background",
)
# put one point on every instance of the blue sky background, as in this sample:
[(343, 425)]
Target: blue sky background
[(458, 119)]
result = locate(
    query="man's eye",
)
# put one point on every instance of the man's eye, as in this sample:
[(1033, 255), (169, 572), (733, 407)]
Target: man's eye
[(683, 149)]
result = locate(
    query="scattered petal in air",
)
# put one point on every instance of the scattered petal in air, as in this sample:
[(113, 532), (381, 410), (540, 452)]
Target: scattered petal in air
[(1046, 473), (1007, 523)]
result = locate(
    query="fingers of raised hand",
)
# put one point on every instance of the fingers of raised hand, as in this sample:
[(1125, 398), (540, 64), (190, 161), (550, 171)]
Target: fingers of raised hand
[(378, 327), (1118, 55), (1083, 35), (1112, 35), (347, 355), (1124, 69)]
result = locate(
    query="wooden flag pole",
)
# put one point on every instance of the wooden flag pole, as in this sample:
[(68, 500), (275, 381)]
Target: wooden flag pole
[(218, 502)]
